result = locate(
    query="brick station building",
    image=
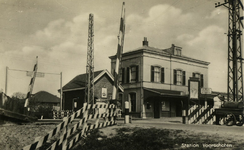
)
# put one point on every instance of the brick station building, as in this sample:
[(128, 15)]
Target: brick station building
[(74, 90)]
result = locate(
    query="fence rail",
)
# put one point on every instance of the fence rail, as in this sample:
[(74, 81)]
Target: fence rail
[(61, 114)]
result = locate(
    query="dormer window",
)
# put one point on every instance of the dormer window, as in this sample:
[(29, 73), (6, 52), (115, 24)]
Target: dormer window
[(178, 51)]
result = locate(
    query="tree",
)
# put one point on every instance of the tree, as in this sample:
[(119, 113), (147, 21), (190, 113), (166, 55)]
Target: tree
[(19, 95)]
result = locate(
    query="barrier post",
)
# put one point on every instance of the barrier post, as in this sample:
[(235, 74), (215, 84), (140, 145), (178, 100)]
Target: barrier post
[(184, 116), (127, 112)]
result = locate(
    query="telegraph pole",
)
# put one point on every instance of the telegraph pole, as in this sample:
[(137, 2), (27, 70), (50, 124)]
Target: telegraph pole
[(235, 73)]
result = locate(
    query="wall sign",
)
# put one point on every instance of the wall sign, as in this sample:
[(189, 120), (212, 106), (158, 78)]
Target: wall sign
[(194, 88), (104, 93)]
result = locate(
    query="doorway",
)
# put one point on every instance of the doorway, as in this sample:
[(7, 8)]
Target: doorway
[(156, 109)]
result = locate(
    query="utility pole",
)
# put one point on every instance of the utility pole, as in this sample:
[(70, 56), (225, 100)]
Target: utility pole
[(90, 63), (235, 73)]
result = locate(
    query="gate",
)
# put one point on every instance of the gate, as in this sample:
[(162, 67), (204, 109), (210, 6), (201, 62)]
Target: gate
[(91, 119), (200, 115)]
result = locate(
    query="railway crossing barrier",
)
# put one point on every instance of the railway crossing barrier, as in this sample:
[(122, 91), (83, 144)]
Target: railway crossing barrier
[(71, 136), (200, 115)]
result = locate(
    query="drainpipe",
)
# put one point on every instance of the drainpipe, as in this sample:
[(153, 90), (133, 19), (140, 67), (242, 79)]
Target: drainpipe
[(170, 72), (141, 84)]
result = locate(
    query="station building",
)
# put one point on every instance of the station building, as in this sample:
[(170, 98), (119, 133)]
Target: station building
[(155, 80)]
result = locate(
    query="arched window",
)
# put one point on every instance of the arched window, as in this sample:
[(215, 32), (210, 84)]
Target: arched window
[(132, 101)]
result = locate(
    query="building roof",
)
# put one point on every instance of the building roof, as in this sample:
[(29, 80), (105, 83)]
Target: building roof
[(43, 96), (161, 52), (79, 82)]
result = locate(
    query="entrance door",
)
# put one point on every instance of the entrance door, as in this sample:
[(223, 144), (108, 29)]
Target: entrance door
[(156, 109), (178, 109)]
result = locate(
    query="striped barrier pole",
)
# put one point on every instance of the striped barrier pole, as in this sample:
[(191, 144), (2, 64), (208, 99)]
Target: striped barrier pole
[(119, 53), (127, 117), (31, 85), (205, 115), (189, 118)]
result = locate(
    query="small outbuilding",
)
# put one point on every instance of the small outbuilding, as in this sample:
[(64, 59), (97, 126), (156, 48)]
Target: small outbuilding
[(74, 90)]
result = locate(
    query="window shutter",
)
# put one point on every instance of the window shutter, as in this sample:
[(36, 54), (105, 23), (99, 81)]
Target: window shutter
[(202, 81), (193, 74), (175, 76), (162, 75), (152, 74), (123, 75), (128, 75), (184, 78), (137, 74)]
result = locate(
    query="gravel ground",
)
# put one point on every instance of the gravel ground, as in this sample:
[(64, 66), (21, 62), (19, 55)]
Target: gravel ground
[(15, 137)]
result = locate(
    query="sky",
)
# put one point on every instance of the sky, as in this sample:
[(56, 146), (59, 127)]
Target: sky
[(57, 32)]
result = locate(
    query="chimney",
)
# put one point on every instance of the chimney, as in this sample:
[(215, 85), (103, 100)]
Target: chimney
[(145, 42)]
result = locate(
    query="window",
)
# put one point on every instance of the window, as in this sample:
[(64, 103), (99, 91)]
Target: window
[(132, 74), (179, 77), (200, 77), (132, 100), (157, 74), (178, 52), (122, 76)]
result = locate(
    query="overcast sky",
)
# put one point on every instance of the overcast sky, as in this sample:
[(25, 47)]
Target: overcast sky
[(56, 31)]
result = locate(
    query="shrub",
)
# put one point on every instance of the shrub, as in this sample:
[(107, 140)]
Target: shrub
[(128, 139)]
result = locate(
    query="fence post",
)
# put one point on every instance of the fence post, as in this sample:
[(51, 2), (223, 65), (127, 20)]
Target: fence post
[(127, 112), (184, 116), (85, 116)]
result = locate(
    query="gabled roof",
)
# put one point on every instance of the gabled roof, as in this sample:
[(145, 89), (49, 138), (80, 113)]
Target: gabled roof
[(79, 82), (46, 97)]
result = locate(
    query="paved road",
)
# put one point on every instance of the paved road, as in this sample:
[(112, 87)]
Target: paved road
[(213, 129)]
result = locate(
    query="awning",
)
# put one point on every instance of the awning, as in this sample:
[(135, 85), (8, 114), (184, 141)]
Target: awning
[(149, 92)]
